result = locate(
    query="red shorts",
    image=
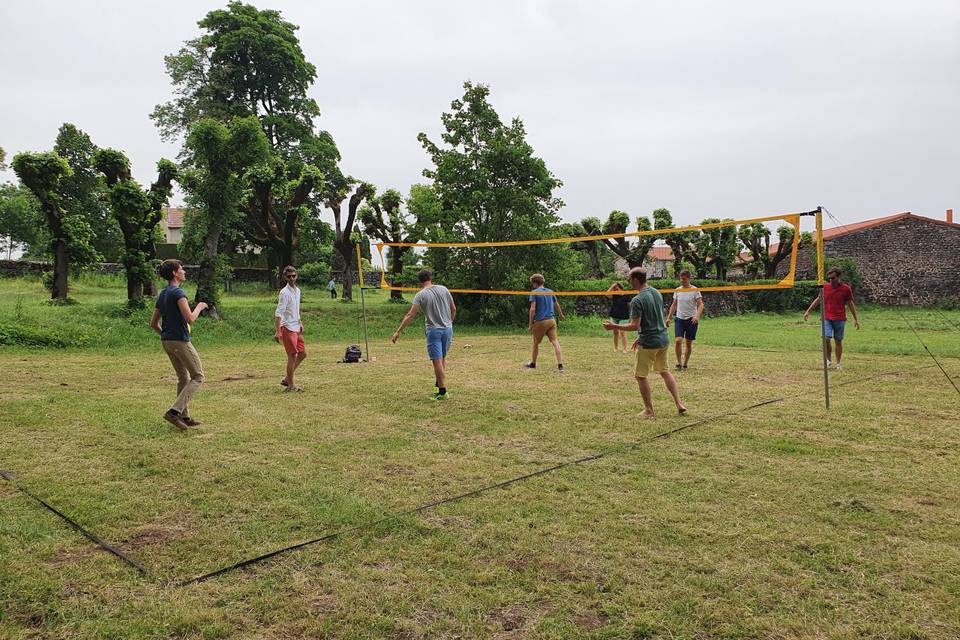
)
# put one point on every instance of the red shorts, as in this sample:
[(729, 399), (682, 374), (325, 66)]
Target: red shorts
[(292, 341)]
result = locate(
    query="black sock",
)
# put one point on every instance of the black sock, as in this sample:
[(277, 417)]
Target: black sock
[(443, 391), (560, 366)]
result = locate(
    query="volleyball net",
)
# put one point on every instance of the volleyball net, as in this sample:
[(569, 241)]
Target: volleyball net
[(660, 235)]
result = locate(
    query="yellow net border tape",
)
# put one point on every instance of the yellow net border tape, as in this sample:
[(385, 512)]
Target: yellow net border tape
[(785, 283)]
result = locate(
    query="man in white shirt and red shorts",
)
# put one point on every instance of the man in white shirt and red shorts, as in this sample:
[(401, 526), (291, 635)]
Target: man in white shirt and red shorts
[(289, 330)]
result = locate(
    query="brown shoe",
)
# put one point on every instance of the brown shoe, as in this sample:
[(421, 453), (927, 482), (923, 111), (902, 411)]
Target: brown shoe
[(190, 422), (175, 420)]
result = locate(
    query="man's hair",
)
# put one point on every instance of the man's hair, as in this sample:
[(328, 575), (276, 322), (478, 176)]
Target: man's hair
[(287, 270), (537, 279), (425, 275), (639, 274), (168, 268), (685, 272), (835, 270)]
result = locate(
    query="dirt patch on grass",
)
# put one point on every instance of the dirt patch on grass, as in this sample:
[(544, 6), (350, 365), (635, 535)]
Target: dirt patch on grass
[(71, 556), (157, 534), (591, 620), (511, 618)]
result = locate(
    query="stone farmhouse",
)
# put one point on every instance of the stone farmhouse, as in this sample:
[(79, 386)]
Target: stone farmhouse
[(902, 258)]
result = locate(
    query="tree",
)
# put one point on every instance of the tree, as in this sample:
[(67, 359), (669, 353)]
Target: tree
[(719, 246), (383, 219), (220, 155), (756, 238), (681, 243), (617, 222), (83, 191), (589, 226), (249, 62), (344, 241), (137, 212), (20, 217), (492, 187), (70, 234)]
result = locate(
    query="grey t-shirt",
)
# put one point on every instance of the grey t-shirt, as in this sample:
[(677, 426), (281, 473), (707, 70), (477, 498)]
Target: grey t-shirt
[(435, 301)]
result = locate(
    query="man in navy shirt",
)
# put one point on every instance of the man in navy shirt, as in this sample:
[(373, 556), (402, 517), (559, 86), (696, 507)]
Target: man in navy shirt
[(543, 306), (172, 320)]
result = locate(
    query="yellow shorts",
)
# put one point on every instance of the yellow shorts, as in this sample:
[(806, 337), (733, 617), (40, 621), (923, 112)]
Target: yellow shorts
[(647, 358), (543, 328)]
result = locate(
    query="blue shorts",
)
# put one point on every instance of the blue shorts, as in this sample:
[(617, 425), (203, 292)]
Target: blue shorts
[(685, 328), (834, 329), (438, 342)]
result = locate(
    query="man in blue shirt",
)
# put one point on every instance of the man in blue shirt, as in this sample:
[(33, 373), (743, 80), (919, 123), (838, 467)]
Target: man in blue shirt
[(174, 310), (541, 323)]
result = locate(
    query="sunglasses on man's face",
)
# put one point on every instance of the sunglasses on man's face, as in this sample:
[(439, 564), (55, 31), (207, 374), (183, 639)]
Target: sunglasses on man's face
[(291, 275)]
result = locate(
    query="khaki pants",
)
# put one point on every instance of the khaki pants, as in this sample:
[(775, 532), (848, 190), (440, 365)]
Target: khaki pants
[(186, 362)]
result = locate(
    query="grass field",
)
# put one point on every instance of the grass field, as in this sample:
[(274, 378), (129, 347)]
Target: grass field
[(778, 521)]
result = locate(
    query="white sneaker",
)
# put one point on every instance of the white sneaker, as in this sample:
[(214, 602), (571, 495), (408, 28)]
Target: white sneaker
[(828, 364), (837, 368)]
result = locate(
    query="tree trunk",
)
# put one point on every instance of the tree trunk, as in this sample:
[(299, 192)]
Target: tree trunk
[(61, 266), (207, 278), (148, 281), (594, 253), (61, 255), (348, 254), (396, 270)]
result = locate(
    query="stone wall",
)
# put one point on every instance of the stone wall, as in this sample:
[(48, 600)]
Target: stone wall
[(715, 303), (913, 261)]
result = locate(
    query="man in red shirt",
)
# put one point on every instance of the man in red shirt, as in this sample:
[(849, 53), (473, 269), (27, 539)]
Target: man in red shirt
[(836, 295)]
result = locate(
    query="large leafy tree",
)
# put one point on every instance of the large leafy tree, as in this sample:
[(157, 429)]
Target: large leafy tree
[(493, 188), (220, 155), (83, 192), (383, 219), (249, 62), (70, 234), (138, 212)]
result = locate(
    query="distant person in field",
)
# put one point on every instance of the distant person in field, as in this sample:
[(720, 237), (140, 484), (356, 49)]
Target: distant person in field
[(541, 322), (836, 296), (439, 312), (332, 288), (688, 305), (646, 316), (172, 320), (288, 328), (619, 314)]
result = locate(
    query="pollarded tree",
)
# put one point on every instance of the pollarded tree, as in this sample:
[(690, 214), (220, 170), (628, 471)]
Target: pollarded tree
[(634, 253), (70, 233), (756, 238), (220, 156), (383, 219), (83, 191), (345, 241), (589, 226), (137, 212), (719, 246)]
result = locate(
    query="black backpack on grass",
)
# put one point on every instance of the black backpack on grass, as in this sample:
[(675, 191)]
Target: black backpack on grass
[(353, 353)]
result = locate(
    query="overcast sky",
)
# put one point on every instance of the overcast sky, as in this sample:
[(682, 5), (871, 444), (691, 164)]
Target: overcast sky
[(730, 109)]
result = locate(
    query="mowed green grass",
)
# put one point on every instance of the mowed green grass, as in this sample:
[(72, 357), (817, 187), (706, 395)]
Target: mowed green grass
[(779, 521)]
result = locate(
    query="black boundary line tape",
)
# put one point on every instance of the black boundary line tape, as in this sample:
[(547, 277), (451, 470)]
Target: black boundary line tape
[(505, 483), (86, 533)]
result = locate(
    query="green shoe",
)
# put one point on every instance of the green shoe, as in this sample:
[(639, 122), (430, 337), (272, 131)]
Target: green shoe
[(440, 396)]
